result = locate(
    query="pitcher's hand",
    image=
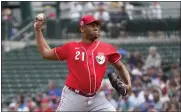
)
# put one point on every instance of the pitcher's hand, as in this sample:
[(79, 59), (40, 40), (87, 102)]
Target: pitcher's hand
[(39, 22)]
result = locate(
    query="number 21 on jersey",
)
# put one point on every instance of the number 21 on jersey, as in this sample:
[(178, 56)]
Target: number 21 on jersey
[(77, 56)]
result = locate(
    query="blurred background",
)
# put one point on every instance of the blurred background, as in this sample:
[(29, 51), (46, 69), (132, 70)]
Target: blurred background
[(146, 34)]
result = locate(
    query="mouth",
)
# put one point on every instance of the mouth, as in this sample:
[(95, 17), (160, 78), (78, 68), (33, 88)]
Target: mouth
[(96, 33)]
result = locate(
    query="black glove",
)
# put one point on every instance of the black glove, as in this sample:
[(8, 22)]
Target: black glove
[(117, 84)]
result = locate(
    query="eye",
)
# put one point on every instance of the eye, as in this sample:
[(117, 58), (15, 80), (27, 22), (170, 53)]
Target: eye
[(93, 25)]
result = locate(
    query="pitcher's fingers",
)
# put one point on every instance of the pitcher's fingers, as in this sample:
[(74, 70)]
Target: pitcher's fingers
[(41, 23), (36, 19), (36, 24), (44, 19)]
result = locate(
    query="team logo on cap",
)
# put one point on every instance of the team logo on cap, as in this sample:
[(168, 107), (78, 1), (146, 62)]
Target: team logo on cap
[(100, 58), (82, 23)]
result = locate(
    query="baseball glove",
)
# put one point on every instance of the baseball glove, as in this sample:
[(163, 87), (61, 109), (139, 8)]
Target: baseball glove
[(117, 84)]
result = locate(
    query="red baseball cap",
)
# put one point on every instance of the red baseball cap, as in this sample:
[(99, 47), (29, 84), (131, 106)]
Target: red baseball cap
[(87, 20)]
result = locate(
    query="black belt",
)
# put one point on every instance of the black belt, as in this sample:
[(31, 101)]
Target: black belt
[(82, 93)]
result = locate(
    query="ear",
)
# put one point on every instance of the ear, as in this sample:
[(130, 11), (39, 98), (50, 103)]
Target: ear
[(81, 29)]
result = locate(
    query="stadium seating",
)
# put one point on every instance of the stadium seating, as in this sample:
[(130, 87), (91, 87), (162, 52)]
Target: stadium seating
[(139, 26), (24, 70), (170, 52)]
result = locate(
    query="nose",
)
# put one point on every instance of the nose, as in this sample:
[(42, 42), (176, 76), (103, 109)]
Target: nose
[(95, 28)]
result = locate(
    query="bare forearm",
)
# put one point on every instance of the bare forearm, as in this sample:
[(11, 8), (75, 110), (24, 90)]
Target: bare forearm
[(41, 43), (125, 74)]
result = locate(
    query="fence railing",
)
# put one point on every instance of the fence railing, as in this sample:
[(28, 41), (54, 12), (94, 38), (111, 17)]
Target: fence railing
[(19, 35), (12, 32)]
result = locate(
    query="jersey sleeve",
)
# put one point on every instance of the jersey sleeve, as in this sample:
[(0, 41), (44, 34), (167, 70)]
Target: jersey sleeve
[(113, 55), (62, 51)]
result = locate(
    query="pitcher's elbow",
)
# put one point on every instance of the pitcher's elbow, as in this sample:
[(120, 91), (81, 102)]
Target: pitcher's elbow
[(43, 55)]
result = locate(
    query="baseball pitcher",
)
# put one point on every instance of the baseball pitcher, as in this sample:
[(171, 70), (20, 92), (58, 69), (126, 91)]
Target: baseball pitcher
[(86, 62)]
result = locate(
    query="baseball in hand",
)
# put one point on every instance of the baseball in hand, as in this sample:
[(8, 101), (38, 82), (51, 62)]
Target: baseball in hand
[(40, 17), (40, 20)]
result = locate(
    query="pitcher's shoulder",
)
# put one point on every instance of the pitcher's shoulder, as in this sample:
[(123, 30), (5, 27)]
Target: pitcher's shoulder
[(72, 43), (105, 44)]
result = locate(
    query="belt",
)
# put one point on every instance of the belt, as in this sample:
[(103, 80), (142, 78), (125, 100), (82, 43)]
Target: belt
[(82, 93)]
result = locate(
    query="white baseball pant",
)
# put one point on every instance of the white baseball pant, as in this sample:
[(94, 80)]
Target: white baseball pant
[(70, 101)]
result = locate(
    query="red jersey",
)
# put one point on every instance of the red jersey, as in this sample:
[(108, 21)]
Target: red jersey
[(86, 63)]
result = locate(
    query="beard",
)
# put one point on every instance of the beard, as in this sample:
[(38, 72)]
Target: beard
[(94, 36)]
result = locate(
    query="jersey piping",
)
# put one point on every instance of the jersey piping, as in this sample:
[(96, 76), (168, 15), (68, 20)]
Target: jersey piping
[(93, 64), (88, 67)]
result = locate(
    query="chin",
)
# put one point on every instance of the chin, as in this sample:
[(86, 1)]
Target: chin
[(94, 38)]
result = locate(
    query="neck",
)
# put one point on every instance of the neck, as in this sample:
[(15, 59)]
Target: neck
[(87, 40)]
